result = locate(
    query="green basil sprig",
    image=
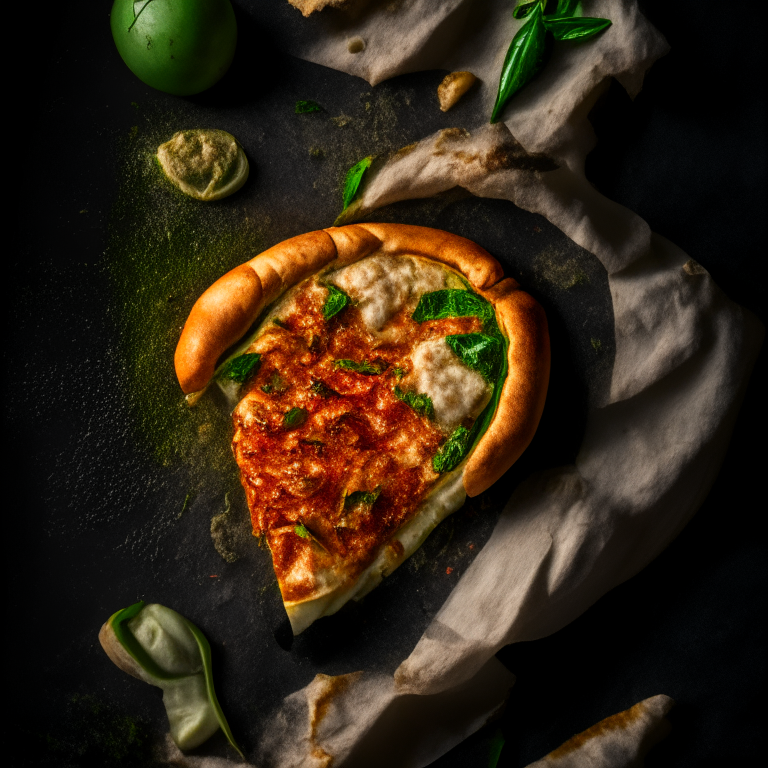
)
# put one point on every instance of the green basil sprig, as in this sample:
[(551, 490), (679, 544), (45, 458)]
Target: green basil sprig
[(525, 56), (571, 28), (524, 8)]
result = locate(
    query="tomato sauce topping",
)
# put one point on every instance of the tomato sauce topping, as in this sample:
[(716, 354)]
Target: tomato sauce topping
[(333, 463)]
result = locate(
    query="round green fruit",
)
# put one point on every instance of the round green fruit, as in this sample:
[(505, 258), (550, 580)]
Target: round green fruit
[(177, 46)]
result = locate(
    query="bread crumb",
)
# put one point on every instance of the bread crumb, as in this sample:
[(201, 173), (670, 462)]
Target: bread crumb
[(453, 87)]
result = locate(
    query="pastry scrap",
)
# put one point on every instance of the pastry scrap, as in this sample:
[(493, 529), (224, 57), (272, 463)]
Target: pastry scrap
[(391, 372)]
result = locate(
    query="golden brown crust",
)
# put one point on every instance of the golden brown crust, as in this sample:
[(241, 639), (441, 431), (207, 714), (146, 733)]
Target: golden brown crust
[(227, 309), (523, 322)]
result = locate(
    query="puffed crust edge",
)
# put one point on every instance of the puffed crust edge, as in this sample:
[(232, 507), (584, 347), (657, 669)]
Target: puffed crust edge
[(225, 312)]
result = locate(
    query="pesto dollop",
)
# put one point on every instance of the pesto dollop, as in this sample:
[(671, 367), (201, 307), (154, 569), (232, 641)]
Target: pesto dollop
[(204, 163)]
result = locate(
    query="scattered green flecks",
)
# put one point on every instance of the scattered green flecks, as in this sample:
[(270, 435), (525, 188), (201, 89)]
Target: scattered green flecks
[(89, 731), (185, 506), (223, 533), (307, 106), (597, 345), (353, 179), (163, 243), (133, 132), (316, 153)]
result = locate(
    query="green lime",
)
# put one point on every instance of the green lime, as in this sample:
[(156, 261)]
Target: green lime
[(177, 46)]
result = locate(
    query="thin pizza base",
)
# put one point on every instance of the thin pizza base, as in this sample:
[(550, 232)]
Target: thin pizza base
[(223, 315)]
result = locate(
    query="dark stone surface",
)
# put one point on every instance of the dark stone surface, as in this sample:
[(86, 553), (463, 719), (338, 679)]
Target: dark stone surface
[(94, 514)]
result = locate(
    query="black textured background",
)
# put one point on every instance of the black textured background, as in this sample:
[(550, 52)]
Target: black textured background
[(91, 517)]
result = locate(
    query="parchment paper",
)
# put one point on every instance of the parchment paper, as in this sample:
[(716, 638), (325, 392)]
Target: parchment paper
[(655, 436)]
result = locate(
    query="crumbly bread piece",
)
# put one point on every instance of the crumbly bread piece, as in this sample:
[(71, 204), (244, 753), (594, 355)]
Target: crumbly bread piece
[(308, 7)]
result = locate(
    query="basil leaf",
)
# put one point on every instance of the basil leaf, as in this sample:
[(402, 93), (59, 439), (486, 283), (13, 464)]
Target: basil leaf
[(479, 352), (305, 106), (566, 7), (524, 59), (575, 28), (360, 498), (337, 301), (300, 530), (366, 368), (421, 403), (241, 368), (294, 418), (354, 177), (524, 7), (454, 450), (451, 302)]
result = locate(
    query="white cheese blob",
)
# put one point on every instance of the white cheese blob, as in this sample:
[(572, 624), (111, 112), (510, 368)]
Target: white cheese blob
[(382, 285), (457, 392)]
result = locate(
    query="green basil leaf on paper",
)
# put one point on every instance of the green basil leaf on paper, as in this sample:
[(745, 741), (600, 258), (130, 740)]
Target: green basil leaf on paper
[(566, 7), (524, 7), (337, 301), (366, 368), (575, 27), (354, 177), (421, 403), (306, 106), (241, 368), (523, 61), (479, 352)]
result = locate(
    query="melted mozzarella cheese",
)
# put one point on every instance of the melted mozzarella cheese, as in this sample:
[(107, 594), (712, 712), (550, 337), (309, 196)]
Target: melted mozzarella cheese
[(382, 285), (457, 392)]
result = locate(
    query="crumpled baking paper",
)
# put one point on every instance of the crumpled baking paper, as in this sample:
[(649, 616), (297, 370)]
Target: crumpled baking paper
[(655, 437)]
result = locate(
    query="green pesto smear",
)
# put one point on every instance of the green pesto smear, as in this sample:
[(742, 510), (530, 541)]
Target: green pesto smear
[(164, 250)]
